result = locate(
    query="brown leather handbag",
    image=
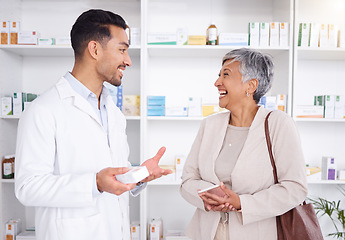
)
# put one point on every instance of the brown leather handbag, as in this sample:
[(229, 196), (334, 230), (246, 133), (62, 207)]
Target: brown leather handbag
[(300, 223)]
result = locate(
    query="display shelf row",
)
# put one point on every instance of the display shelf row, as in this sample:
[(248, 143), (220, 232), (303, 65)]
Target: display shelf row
[(173, 50), (201, 118), (178, 183)]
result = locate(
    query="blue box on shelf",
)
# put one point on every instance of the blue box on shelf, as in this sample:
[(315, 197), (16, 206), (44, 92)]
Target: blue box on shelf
[(155, 100), (155, 110)]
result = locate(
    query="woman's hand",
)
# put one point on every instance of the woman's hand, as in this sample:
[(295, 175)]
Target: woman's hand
[(231, 200)]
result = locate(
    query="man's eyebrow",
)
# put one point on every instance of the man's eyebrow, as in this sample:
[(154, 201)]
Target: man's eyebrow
[(124, 43)]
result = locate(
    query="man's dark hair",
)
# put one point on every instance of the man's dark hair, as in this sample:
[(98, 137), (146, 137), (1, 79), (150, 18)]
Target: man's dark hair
[(93, 25)]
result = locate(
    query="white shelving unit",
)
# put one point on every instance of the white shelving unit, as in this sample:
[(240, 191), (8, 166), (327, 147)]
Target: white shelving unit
[(320, 71), (176, 72)]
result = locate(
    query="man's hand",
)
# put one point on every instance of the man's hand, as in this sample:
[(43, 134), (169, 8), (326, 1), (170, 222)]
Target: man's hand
[(153, 168), (106, 181)]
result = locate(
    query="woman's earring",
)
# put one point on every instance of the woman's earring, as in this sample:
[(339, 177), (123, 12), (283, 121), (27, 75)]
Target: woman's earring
[(248, 95)]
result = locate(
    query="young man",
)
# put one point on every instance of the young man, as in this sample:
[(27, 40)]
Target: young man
[(72, 142)]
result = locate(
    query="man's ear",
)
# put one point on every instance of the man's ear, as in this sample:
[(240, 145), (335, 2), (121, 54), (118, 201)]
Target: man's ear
[(93, 49)]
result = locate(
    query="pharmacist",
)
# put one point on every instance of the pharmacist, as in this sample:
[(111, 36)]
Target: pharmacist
[(72, 142)]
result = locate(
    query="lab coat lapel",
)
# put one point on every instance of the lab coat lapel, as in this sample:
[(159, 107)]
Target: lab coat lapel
[(65, 91), (219, 131)]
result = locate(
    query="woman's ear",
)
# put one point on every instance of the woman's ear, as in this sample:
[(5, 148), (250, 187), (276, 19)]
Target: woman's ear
[(252, 85)]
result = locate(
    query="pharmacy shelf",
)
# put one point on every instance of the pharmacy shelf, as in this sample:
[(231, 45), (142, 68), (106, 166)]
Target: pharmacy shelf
[(18, 117), (175, 118), (51, 51), (7, 180), (132, 117), (332, 120), (309, 53), (204, 50), (326, 182), (10, 117)]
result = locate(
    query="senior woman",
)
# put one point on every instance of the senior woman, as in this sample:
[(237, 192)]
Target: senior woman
[(230, 149)]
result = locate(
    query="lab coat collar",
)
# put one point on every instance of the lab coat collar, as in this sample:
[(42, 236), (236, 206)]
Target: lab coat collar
[(65, 91)]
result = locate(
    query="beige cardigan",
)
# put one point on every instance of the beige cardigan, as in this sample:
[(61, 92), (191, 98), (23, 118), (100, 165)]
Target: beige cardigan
[(252, 177)]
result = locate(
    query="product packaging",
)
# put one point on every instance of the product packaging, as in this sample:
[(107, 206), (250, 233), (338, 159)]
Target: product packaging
[(14, 30), (6, 106), (264, 34), (329, 168), (134, 175), (274, 34), (254, 34), (303, 34), (283, 34), (5, 32), (156, 229)]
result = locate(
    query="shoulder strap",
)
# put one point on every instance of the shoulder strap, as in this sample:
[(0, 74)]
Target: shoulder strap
[(269, 146)]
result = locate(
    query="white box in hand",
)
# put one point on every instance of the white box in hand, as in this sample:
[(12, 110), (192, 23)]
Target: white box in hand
[(136, 174)]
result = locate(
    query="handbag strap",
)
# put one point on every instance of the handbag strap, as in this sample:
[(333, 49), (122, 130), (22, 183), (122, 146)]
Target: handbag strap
[(269, 146)]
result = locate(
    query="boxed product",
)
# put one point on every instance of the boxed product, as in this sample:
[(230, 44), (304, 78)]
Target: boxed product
[(14, 30), (314, 35), (134, 175), (327, 101), (6, 106), (269, 102), (303, 34), (156, 229), (176, 111), (131, 100), (339, 105), (283, 34), (233, 39), (281, 102), (194, 107), (17, 104), (181, 36), (254, 34), (155, 100), (161, 39), (329, 168), (5, 32), (210, 109), (264, 34), (131, 110), (197, 40), (333, 35), (179, 163), (46, 41), (13, 228), (63, 41), (135, 36), (341, 174), (323, 41), (341, 43), (308, 111), (27, 38), (155, 110), (135, 231), (274, 34)]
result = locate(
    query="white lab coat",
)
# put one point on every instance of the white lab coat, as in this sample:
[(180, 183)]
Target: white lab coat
[(61, 144)]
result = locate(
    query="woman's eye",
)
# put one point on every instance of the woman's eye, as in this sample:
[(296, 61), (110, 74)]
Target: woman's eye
[(226, 74), (122, 50)]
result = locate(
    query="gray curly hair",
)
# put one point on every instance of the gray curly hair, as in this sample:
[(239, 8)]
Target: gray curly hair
[(253, 64)]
